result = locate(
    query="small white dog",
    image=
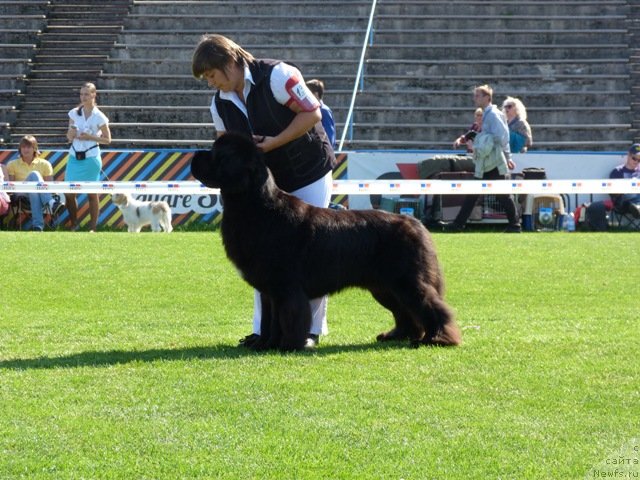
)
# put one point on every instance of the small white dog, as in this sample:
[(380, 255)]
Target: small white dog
[(137, 214)]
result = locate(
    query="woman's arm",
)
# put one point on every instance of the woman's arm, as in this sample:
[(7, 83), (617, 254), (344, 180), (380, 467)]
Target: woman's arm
[(301, 124), (105, 139)]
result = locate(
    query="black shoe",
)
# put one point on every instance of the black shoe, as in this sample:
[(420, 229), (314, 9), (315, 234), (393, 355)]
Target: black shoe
[(516, 228), (249, 340), (452, 227), (36, 229), (312, 342)]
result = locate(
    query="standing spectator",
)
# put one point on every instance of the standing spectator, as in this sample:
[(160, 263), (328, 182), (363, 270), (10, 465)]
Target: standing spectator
[(520, 138), (491, 156), (474, 129), (4, 198), (88, 129), (269, 100), (628, 202), (317, 88), (31, 168)]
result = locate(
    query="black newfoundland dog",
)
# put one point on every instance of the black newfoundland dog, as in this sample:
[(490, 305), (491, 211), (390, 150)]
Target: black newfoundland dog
[(291, 252)]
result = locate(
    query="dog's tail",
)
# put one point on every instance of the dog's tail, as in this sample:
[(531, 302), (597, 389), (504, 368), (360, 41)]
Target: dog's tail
[(164, 210), (444, 331)]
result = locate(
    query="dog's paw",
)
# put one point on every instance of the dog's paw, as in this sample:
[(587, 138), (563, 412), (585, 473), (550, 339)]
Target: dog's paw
[(394, 334), (447, 336)]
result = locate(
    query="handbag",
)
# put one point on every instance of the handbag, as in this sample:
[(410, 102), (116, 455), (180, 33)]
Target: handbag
[(83, 154)]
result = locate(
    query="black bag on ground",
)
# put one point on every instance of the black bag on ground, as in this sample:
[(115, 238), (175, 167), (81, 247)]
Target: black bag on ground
[(596, 217), (534, 173)]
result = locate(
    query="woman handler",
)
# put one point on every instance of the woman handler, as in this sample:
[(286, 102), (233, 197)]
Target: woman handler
[(269, 100)]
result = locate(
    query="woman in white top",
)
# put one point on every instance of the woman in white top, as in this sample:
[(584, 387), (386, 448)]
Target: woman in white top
[(88, 129)]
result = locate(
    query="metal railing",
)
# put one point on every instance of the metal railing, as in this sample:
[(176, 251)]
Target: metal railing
[(359, 81)]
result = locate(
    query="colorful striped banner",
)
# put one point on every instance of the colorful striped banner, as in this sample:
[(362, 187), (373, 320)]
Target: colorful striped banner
[(152, 165)]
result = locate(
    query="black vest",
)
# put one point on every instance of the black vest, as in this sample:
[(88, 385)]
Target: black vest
[(299, 162)]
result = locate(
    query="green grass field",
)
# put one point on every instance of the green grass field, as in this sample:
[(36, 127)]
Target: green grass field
[(118, 360)]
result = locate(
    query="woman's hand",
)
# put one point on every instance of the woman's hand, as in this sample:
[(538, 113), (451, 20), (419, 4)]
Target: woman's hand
[(86, 136), (264, 143), (72, 133)]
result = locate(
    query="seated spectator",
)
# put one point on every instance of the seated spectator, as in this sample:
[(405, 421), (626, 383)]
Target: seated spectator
[(520, 139), (31, 168), (471, 133), (329, 124), (628, 202), (4, 198)]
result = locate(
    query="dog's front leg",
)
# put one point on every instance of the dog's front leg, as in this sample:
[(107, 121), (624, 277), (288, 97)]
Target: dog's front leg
[(269, 328), (294, 315)]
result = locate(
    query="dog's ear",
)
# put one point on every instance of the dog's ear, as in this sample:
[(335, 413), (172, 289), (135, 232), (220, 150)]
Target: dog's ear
[(204, 168)]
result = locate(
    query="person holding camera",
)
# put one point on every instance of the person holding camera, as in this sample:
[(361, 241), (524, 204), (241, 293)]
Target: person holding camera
[(269, 100), (471, 133), (88, 129)]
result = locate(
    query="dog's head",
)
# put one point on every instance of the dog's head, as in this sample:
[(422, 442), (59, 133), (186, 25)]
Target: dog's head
[(234, 164), (120, 199)]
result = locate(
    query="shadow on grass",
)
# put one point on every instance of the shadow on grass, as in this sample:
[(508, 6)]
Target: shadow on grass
[(224, 352)]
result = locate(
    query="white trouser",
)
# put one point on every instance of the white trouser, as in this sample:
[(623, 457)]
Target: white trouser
[(317, 193)]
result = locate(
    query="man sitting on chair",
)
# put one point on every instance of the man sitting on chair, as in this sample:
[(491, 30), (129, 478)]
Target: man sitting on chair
[(628, 202), (31, 168)]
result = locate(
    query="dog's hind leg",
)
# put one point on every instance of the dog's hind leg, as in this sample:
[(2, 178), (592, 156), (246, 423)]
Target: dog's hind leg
[(426, 304), (404, 328), (294, 316)]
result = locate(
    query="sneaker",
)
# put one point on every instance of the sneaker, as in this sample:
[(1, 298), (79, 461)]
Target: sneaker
[(36, 229), (249, 340), (632, 209), (312, 342), (56, 208)]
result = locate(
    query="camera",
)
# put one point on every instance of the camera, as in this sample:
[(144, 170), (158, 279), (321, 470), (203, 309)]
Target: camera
[(470, 135)]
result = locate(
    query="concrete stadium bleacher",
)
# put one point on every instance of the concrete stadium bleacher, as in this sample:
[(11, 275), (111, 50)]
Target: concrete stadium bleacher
[(20, 23), (571, 62)]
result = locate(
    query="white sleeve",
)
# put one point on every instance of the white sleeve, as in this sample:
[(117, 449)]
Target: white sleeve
[(288, 87), (103, 119), (217, 120)]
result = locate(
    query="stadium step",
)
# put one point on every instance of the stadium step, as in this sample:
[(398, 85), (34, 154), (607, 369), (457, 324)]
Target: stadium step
[(72, 49)]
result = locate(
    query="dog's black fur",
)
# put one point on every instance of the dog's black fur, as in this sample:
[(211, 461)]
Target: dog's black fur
[(291, 252)]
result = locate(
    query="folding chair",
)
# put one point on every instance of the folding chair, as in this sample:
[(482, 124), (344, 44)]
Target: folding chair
[(621, 219), (20, 212)]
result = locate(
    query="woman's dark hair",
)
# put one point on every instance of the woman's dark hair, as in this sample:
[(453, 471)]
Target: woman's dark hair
[(317, 87), (216, 52)]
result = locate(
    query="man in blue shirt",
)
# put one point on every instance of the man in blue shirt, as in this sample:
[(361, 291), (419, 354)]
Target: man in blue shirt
[(317, 88), (492, 158)]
